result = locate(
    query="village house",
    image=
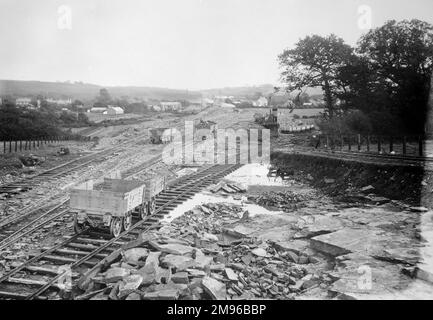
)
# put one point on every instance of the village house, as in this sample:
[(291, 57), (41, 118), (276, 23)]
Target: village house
[(62, 102), (23, 102), (260, 102), (113, 110), (97, 110), (171, 106)]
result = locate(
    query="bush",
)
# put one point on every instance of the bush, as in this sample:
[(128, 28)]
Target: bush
[(355, 122)]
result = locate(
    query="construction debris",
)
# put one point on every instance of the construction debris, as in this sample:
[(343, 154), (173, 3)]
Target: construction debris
[(192, 258)]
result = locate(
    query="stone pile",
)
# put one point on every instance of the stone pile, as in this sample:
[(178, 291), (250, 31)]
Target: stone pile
[(287, 200), (204, 254)]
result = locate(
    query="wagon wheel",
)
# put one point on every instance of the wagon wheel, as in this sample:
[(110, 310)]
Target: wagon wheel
[(116, 227), (78, 227), (142, 210), (151, 206), (127, 221)]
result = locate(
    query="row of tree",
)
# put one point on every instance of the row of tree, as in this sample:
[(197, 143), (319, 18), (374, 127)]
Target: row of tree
[(21, 123), (385, 78)]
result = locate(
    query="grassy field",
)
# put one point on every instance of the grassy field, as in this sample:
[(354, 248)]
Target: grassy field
[(98, 117)]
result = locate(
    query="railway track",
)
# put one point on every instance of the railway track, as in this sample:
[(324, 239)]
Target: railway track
[(60, 171), (16, 227), (41, 276), (370, 157), (22, 225)]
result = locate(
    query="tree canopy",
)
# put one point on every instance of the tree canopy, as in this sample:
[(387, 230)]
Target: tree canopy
[(315, 61), (386, 76)]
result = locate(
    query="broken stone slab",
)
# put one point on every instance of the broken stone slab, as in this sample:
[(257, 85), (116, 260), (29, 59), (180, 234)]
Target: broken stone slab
[(422, 274), (399, 255), (180, 277), (115, 274), (347, 240), (260, 252), (231, 275), (239, 231), (378, 200), (153, 258), (315, 225), (135, 255), (367, 188), (129, 284), (167, 294), (179, 263), (175, 248), (148, 274), (214, 288), (133, 296), (296, 246), (209, 237), (201, 260), (292, 256), (217, 267), (196, 273)]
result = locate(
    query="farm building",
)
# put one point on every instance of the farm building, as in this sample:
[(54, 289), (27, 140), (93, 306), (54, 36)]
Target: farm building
[(171, 106), (227, 105), (112, 110), (23, 102), (260, 102), (97, 110)]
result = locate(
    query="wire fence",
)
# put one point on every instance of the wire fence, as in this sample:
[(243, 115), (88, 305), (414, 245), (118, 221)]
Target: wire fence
[(11, 146), (405, 145)]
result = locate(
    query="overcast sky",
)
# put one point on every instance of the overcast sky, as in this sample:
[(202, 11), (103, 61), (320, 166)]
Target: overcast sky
[(188, 44)]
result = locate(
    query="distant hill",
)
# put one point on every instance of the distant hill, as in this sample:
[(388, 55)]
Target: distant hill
[(240, 91), (254, 90), (87, 92)]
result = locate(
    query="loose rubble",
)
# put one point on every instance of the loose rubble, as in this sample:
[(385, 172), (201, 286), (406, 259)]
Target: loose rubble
[(204, 255)]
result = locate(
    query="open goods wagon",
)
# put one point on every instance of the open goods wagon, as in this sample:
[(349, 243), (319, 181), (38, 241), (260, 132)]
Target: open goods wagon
[(112, 204), (161, 135)]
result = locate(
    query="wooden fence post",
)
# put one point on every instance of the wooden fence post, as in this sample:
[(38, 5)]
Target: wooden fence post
[(368, 142), (404, 145), (359, 142), (10, 145), (420, 146), (379, 144), (4, 146), (21, 145), (391, 144), (349, 143)]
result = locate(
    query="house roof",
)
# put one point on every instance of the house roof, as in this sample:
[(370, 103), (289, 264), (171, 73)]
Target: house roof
[(117, 109)]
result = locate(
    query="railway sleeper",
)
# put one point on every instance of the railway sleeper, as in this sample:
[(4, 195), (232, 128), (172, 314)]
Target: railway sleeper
[(53, 270), (97, 241), (87, 247), (66, 260), (31, 282), (78, 253), (16, 296)]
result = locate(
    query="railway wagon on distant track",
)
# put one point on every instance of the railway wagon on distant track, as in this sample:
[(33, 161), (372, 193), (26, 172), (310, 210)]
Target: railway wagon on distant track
[(112, 204), (161, 135)]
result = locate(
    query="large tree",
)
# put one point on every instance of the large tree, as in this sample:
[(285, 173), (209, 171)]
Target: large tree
[(399, 57), (316, 61)]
